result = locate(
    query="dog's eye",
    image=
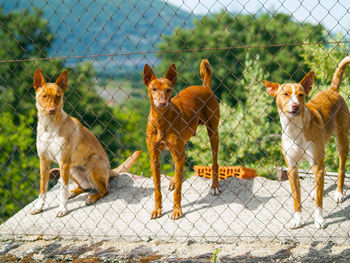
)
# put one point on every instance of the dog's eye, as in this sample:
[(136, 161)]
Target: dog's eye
[(154, 89), (168, 90), (44, 96), (301, 95), (285, 94)]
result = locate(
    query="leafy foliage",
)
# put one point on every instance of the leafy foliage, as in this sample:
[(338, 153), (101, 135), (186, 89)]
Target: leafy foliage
[(324, 60), (20, 174), (281, 57), (18, 160), (249, 133), (249, 130), (19, 165)]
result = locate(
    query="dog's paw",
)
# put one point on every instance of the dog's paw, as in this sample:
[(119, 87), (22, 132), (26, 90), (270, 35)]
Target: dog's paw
[(177, 213), (89, 201), (296, 222), (215, 191), (171, 185), (156, 213), (71, 195), (75, 192), (62, 213), (319, 219), (36, 211), (338, 197)]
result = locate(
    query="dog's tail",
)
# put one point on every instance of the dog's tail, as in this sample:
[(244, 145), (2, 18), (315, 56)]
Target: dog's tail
[(338, 74), (206, 73), (125, 166)]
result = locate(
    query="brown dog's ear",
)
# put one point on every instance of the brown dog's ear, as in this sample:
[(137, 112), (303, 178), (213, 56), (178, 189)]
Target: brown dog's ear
[(62, 80), (172, 74), (308, 81), (148, 75), (39, 79), (271, 87)]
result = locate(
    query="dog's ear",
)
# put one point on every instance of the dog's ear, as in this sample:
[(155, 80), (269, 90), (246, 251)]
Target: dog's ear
[(172, 74), (271, 87), (148, 75), (62, 80), (308, 81), (39, 79)]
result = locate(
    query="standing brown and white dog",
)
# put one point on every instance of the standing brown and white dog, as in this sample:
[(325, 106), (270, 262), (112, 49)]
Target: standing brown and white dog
[(64, 140), (306, 128)]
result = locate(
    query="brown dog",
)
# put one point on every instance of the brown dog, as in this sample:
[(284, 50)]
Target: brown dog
[(306, 128), (63, 139), (172, 122)]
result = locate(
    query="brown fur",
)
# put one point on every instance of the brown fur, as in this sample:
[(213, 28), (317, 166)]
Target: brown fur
[(172, 122), (77, 151), (326, 113)]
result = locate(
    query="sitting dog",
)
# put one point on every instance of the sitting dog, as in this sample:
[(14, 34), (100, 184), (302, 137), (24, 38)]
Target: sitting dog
[(306, 128), (172, 122), (64, 140)]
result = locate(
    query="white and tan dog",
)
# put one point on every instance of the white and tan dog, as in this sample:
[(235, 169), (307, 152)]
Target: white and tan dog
[(306, 128), (64, 140)]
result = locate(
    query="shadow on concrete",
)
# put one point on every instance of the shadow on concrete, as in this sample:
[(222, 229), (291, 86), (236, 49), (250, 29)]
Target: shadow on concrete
[(234, 190)]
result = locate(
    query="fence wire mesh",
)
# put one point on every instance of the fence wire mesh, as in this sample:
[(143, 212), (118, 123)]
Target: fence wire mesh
[(104, 46)]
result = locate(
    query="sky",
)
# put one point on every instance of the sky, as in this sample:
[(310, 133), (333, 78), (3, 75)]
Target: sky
[(333, 14)]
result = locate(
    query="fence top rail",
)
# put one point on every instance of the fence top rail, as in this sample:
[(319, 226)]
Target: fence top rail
[(177, 51)]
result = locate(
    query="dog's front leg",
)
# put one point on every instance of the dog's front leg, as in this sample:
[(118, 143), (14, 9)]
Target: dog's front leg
[(295, 185), (318, 170), (155, 169), (44, 179), (178, 154), (65, 174)]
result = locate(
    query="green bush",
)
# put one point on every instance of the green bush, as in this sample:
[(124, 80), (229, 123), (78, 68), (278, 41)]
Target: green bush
[(324, 60), (246, 33), (249, 133)]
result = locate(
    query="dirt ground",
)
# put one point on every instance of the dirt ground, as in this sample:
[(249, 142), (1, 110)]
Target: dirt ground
[(108, 251)]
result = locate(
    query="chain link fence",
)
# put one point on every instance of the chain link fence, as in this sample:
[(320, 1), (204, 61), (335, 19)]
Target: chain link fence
[(104, 46)]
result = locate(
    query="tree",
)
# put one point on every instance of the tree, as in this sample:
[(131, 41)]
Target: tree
[(281, 57), (249, 133), (324, 60), (22, 36)]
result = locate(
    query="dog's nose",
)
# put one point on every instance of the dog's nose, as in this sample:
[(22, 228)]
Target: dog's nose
[(162, 103), (295, 107), (52, 110)]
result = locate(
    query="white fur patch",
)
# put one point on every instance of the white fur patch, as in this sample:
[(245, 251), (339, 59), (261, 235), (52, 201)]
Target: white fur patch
[(48, 141), (40, 202), (297, 221), (293, 99), (64, 194), (319, 219), (338, 197), (294, 144)]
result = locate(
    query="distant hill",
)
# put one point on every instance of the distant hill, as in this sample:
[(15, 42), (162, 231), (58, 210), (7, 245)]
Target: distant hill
[(107, 27)]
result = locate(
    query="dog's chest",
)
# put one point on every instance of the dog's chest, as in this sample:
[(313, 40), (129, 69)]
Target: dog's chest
[(50, 143), (295, 146)]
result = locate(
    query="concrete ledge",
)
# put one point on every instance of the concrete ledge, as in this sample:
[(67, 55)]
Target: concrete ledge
[(251, 210)]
